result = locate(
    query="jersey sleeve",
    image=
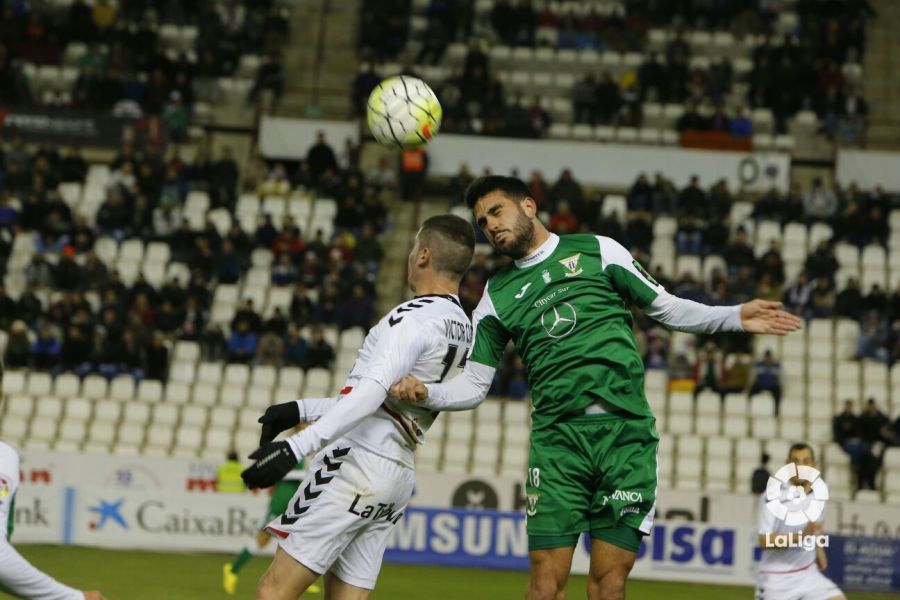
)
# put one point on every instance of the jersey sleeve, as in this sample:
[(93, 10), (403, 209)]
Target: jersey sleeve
[(490, 334), (627, 275), (394, 356), (765, 521)]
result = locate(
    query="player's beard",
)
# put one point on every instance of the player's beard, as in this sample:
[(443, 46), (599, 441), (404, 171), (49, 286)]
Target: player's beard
[(519, 240)]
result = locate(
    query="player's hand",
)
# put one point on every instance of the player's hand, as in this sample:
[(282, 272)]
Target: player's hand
[(276, 419), (763, 316), (409, 389), (93, 595), (273, 462), (822, 560)]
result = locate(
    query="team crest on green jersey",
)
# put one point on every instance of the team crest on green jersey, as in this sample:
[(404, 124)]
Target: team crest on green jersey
[(571, 263)]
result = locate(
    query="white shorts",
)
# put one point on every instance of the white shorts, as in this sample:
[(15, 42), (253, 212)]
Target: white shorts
[(340, 518), (805, 584)]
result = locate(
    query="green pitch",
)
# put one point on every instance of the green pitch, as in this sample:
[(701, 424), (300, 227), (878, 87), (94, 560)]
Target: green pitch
[(133, 575)]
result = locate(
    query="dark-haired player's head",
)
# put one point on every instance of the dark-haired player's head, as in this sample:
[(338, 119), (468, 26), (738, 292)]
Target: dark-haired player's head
[(505, 211), (444, 245)]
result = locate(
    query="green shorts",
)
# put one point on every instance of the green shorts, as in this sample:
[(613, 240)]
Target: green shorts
[(594, 473)]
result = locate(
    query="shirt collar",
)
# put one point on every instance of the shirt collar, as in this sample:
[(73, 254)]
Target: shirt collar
[(541, 254)]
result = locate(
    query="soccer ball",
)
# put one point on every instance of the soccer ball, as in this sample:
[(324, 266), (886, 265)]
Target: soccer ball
[(403, 112)]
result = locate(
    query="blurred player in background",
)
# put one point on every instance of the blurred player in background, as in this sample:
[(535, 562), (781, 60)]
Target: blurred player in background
[(339, 521), (17, 575), (564, 301), (793, 573), (281, 495)]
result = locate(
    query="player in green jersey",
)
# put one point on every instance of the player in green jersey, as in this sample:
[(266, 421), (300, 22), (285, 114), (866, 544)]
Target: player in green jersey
[(564, 302), (282, 493)]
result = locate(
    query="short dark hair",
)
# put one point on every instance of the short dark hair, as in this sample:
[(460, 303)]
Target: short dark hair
[(513, 187), (451, 240), (801, 446)]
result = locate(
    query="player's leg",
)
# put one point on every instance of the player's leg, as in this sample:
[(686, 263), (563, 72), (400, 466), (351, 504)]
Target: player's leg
[(816, 586), (285, 578), (549, 576), (624, 502), (335, 589), (558, 496), (610, 566)]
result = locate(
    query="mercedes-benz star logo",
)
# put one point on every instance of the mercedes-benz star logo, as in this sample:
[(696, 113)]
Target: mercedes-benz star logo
[(792, 503), (559, 320)]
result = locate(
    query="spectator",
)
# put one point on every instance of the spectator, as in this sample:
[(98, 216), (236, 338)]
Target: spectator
[(821, 300), (848, 302), (356, 311), (45, 350), (284, 273), (736, 376), (741, 126), (873, 339), (68, 274), (819, 203), (739, 253), (242, 343), (584, 99), (691, 120), (562, 220), (852, 117), (821, 263), (270, 350), (708, 370), (413, 168), (320, 157), (608, 99), (771, 263), (796, 297), (871, 422), (269, 76), (18, 346), (569, 190), (295, 347), (319, 354), (175, 117), (767, 378), (760, 476), (76, 352)]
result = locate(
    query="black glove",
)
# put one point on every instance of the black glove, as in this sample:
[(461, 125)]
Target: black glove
[(273, 462), (276, 419)]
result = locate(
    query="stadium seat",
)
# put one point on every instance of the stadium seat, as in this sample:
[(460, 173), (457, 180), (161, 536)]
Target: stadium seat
[(681, 424), (20, 406), (217, 440), (39, 384), (206, 394), (515, 436), (65, 385), (221, 416), (165, 414), (516, 412), (186, 351), (150, 390), (195, 415), (188, 439), (48, 407), (13, 428), (236, 374), (488, 412), (122, 388), (209, 372), (159, 437), (690, 446), (78, 409), (43, 430), (108, 410)]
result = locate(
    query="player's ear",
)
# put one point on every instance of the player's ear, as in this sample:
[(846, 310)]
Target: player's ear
[(529, 207), (424, 258)]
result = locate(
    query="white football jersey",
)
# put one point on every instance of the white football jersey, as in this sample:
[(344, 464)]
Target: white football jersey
[(434, 334), (781, 560)]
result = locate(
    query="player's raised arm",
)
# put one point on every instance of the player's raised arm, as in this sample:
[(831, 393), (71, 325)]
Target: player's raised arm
[(394, 355), (286, 415), (636, 285), (468, 389)]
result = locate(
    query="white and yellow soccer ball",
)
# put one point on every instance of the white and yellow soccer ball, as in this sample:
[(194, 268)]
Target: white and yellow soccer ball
[(403, 112)]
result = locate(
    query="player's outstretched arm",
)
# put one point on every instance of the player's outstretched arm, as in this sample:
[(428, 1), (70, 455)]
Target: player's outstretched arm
[(764, 316), (23, 579), (463, 392), (286, 415)]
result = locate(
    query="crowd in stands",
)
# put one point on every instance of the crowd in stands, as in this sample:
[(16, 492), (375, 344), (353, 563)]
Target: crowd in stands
[(801, 70), (77, 314), (864, 436), (124, 64)]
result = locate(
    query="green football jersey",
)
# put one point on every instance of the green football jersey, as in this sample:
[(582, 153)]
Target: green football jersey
[(565, 307)]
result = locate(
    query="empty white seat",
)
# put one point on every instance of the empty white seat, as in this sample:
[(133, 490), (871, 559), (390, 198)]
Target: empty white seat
[(237, 374), (73, 431), (290, 377), (13, 427), (515, 412), (177, 392), (217, 439), (94, 386), (65, 385), (42, 430), (205, 394), (194, 414), (233, 395), (39, 384), (159, 436), (48, 407), (20, 406), (78, 409), (488, 412), (13, 382), (224, 416), (150, 390), (186, 351), (209, 373), (681, 424), (735, 405), (122, 388), (189, 437), (101, 432), (165, 414)]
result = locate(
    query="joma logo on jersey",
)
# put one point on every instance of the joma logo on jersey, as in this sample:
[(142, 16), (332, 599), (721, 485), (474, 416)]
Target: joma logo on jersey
[(531, 507), (571, 263), (626, 496)]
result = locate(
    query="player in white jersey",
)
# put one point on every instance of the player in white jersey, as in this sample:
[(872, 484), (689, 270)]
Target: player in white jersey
[(338, 522), (792, 573), (17, 575)]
